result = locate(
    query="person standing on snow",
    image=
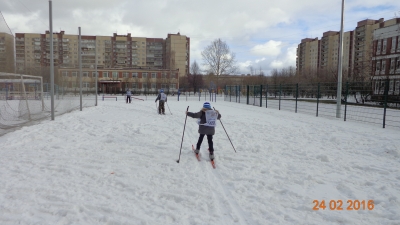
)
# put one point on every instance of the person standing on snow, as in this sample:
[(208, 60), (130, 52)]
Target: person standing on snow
[(163, 98), (128, 96), (207, 122)]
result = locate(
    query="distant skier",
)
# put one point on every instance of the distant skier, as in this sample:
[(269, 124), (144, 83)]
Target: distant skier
[(207, 122), (128, 96), (163, 98)]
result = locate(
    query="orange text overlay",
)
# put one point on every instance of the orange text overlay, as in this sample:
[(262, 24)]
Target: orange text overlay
[(340, 205)]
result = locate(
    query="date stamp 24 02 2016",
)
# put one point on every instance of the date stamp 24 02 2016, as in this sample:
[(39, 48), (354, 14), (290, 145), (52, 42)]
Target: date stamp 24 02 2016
[(350, 205)]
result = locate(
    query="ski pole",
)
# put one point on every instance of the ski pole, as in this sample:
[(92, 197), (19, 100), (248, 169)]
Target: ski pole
[(168, 108), (183, 134), (226, 133), (156, 107)]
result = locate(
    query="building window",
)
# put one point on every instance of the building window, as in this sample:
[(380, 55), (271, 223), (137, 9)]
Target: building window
[(144, 86), (378, 47), (378, 65), (172, 86), (397, 88), (153, 86), (134, 85), (397, 63), (65, 74), (153, 75), (398, 43), (94, 74), (85, 74), (391, 87), (393, 45), (134, 75), (164, 75), (144, 75), (105, 74), (384, 46), (163, 86), (115, 74), (125, 74), (86, 85), (391, 66), (74, 74)]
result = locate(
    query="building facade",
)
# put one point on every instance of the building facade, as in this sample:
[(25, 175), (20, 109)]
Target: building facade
[(386, 58), (363, 48), (117, 51), (358, 51), (117, 81), (7, 59), (308, 58), (122, 61)]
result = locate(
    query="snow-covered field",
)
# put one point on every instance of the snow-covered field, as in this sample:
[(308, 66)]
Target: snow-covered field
[(116, 164)]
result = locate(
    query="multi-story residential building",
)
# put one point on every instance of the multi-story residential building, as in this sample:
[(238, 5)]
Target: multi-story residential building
[(329, 50), (308, 55), (117, 51), (386, 58), (363, 48), (358, 51), (178, 53), (7, 60), (322, 56)]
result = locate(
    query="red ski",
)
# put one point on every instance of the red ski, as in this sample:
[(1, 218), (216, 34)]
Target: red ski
[(212, 161), (197, 155)]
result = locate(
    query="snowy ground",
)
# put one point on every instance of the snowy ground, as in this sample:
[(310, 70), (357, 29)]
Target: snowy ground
[(116, 164)]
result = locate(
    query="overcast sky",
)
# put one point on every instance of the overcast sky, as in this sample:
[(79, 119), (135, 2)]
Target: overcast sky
[(262, 34)]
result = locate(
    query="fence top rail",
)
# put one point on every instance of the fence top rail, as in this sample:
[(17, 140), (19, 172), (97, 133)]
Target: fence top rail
[(19, 75)]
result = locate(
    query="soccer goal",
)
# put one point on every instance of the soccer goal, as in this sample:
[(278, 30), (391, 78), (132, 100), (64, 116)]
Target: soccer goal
[(21, 97)]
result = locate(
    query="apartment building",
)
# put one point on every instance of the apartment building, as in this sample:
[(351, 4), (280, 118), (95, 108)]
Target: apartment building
[(386, 57), (323, 55), (117, 51), (178, 53), (308, 55), (360, 47), (363, 47), (7, 60)]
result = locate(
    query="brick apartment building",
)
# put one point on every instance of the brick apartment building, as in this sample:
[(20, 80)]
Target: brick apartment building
[(125, 59)]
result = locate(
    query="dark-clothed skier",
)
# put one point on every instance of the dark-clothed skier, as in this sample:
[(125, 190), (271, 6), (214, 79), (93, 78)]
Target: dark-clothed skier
[(207, 120), (128, 96), (163, 98)]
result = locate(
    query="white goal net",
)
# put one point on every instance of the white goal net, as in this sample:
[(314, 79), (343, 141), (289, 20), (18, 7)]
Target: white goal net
[(21, 99)]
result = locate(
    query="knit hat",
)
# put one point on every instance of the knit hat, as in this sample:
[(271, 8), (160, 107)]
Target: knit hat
[(162, 90), (207, 105)]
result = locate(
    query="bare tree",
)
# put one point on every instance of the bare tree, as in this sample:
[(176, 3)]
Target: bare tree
[(218, 59), (195, 78)]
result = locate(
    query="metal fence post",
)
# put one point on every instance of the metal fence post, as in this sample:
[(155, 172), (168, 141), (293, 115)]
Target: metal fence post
[(297, 91), (260, 95), (247, 94), (318, 95), (239, 93), (280, 93), (345, 100), (254, 94), (385, 102), (266, 96), (236, 93), (230, 93)]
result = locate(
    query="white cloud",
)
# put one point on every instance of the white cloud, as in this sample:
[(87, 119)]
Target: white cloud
[(271, 48)]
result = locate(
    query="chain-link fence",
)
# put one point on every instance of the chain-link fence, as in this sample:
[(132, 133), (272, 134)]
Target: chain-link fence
[(376, 103)]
